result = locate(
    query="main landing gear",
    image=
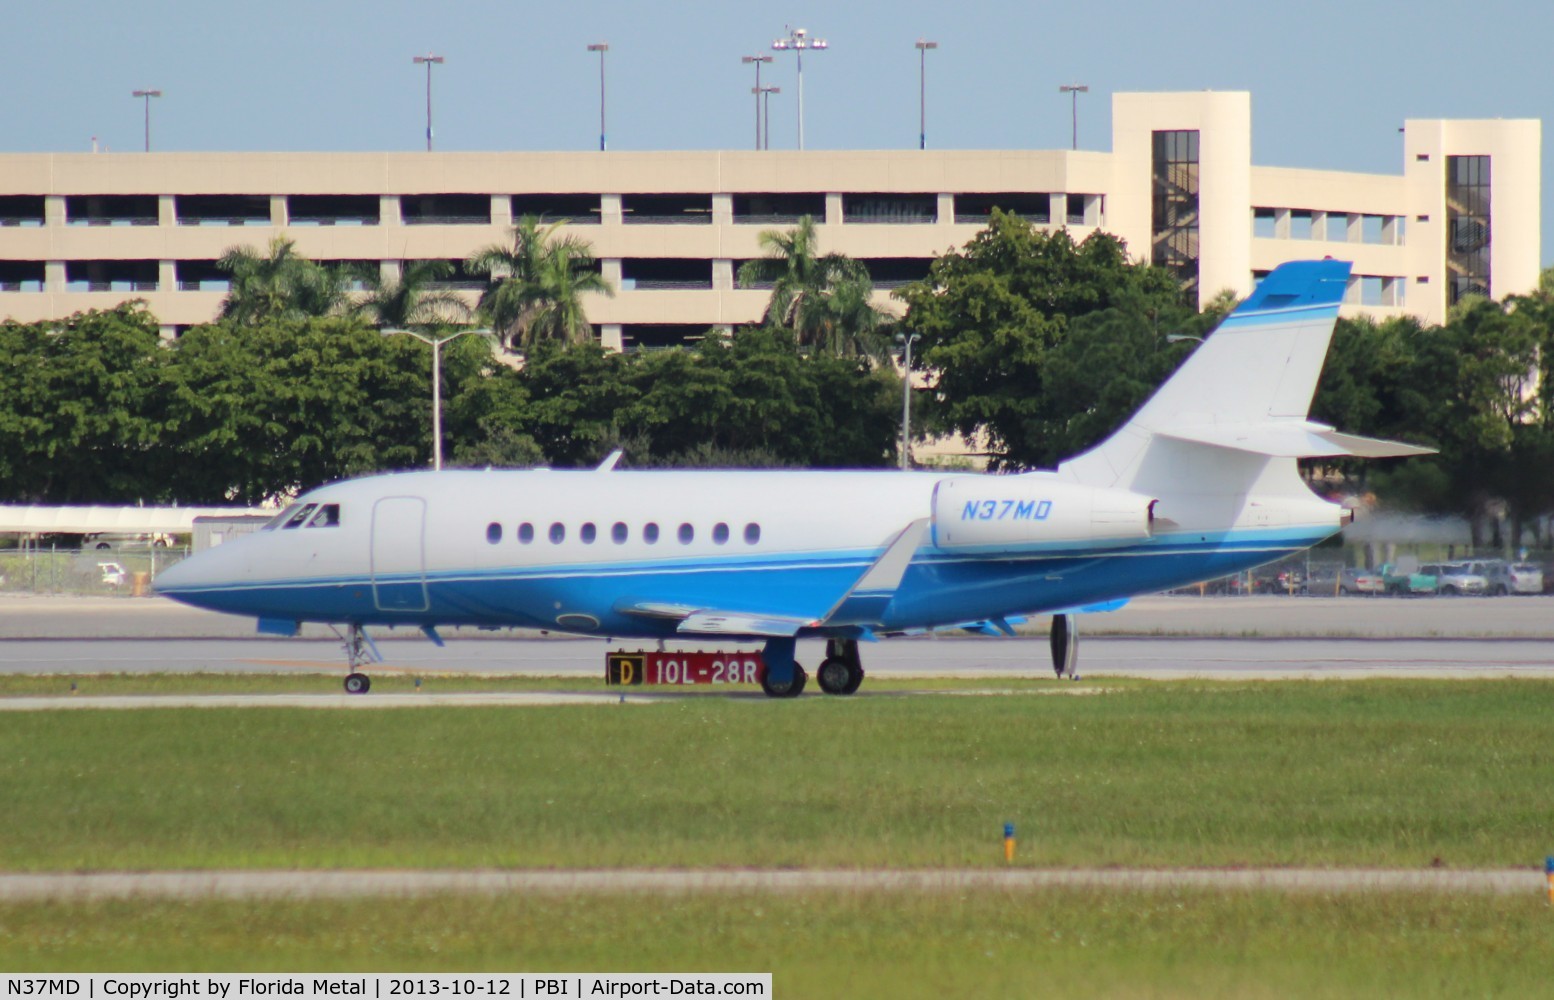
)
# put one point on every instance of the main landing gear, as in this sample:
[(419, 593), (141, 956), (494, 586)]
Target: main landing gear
[(359, 651), (839, 673)]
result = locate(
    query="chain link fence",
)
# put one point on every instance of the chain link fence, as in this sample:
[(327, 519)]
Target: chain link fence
[(107, 571)]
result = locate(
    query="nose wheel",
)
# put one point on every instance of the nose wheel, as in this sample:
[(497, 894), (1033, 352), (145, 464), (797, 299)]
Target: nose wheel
[(359, 651)]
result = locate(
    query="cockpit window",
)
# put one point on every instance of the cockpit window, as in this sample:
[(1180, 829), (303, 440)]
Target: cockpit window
[(328, 516), (300, 517), (280, 519)]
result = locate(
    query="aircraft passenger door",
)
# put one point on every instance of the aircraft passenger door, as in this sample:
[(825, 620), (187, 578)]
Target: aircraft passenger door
[(399, 554)]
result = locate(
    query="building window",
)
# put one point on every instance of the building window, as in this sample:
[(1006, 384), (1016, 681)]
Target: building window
[(111, 275), (21, 210), (1467, 227), (1174, 228), (777, 209), (333, 209), (975, 209), (1263, 223), (666, 209), (222, 209), (111, 209), (889, 208), (21, 275), (201, 276), (445, 209), (665, 273), (573, 209)]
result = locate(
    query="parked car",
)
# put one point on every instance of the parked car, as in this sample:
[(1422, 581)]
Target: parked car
[(1510, 578), (1454, 579), (112, 574), (1361, 581), (1400, 581)]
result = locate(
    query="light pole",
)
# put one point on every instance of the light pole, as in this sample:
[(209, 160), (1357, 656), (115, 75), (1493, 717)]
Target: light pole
[(428, 60), (797, 41), (758, 60), (147, 95), (436, 343), (601, 48), (922, 91), (906, 343), (1074, 90), (764, 95)]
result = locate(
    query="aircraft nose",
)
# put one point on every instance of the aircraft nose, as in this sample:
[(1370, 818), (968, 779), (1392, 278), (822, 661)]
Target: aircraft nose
[(202, 571)]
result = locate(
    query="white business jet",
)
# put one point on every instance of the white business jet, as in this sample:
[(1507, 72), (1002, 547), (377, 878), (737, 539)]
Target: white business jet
[(1200, 483)]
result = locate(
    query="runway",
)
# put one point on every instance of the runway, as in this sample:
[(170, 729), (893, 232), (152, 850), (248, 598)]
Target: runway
[(1159, 657), (336, 884)]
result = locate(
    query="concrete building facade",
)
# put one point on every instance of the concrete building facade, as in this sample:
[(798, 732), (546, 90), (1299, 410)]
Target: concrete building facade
[(83, 231)]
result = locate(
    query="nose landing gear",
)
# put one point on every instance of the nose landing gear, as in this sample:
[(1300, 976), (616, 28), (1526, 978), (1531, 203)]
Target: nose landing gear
[(359, 651)]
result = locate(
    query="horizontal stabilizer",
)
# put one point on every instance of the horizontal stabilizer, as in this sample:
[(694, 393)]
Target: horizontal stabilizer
[(1291, 439)]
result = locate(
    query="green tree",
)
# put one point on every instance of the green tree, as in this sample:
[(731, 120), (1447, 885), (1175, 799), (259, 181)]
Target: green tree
[(825, 301), (413, 300), (261, 412), (81, 409), (280, 285), (996, 318), (537, 285)]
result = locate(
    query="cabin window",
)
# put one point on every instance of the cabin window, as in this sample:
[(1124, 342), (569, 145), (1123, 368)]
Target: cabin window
[(558, 533), (650, 533), (279, 519), (300, 517), (719, 533), (328, 516), (587, 533), (752, 533), (525, 533), (618, 533), (493, 532), (687, 534)]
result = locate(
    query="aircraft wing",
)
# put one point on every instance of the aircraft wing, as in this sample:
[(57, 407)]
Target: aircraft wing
[(862, 604)]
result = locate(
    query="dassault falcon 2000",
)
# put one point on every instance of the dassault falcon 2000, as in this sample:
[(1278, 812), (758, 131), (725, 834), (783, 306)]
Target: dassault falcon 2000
[(1201, 482)]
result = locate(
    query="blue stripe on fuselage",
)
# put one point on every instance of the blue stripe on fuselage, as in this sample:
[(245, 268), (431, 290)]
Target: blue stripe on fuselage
[(940, 586)]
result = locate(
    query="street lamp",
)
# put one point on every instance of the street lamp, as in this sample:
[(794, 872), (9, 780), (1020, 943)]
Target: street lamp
[(906, 343), (764, 95), (436, 343), (797, 41), (147, 95), (428, 60), (601, 48), (1074, 90), (758, 60), (922, 91)]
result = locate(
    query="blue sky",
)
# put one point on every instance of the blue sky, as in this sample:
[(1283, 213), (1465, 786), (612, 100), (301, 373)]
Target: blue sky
[(1331, 82)]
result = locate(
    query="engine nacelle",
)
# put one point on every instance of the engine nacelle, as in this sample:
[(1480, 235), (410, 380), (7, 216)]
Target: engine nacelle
[(1009, 512)]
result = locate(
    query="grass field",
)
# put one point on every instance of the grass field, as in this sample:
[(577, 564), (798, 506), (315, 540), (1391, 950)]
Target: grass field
[(1386, 773), (994, 944)]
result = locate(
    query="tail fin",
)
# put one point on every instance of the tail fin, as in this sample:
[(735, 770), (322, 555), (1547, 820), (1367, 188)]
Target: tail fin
[(1248, 389)]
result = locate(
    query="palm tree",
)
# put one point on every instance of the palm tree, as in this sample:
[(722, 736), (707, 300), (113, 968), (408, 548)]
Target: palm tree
[(412, 300), (537, 284), (825, 300), (280, 284)]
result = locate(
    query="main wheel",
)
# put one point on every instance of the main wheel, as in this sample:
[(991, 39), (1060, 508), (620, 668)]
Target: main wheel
[(792, 689), (837, 676), (356, 683)]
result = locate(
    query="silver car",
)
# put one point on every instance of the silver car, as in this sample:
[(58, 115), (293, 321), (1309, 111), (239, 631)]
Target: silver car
[(1453, 579), (1510, 578)]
